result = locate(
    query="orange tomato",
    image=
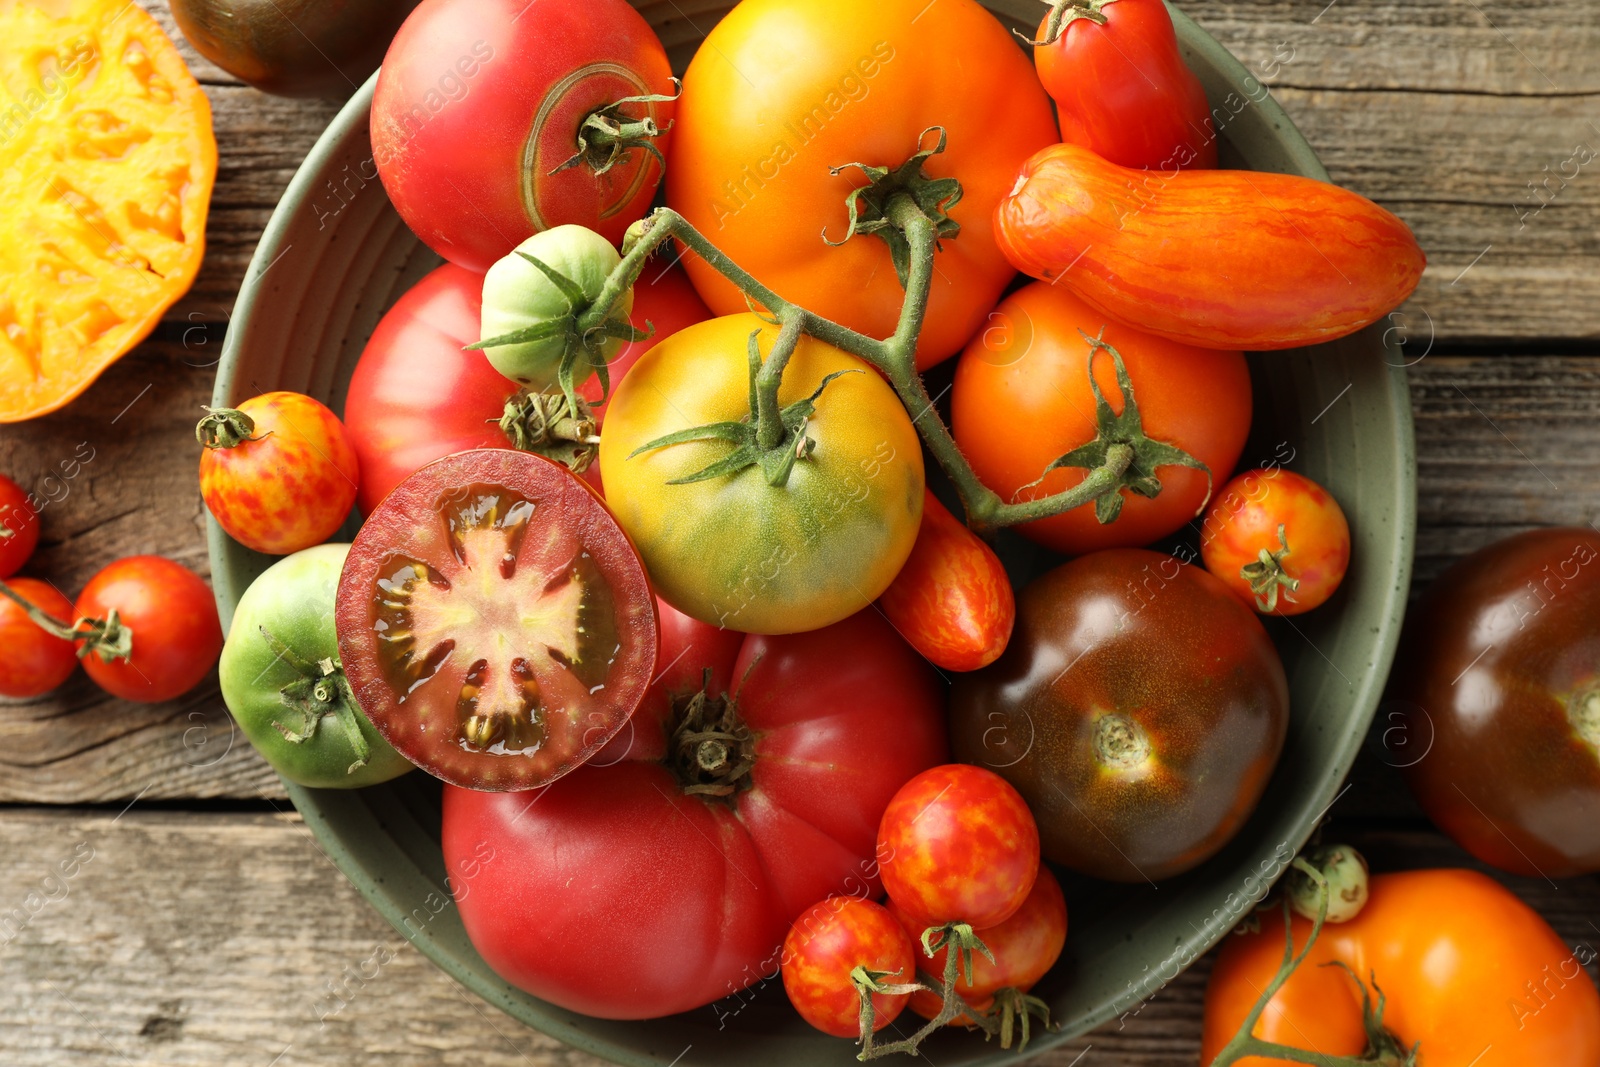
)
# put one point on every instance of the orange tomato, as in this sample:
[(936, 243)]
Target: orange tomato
[(1216, 258), (1313, 552), (782, 91), (1471, 973), (952, 600), (826, 943), (1022, 399)]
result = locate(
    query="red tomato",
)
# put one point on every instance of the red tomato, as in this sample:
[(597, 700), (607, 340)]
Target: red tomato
[(35, 661), (1022, 399), (829, 941), (19, 527), (172, 617), (952, 599), (1277, 574), (1025, 946), (494, 622), (958, 844), (1122, 89), (630, 889), (479, 102), (398, 425)]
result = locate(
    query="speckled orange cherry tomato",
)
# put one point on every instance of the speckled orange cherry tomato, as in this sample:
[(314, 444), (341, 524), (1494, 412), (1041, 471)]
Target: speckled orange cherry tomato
[(278, 472), (952, 600), (958, 844), (1277, 539), (1025, 946), (825, 944)]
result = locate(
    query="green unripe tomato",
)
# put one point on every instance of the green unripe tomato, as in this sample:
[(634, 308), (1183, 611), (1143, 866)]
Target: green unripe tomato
[(517, 295), (1346, 872), (281, 679)]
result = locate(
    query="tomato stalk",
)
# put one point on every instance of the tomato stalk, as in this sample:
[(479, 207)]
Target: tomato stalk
[(607, 134), (1063, 13), (226, 428), (109, 638), (712, 749), (546, 424), (1267, 576), (319, 691)]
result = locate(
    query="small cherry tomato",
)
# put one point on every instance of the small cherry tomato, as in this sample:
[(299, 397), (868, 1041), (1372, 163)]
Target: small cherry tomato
[(829, 941), (1025, 946), (1277, 539), (278, 472), (169, 620), (19, 527), (952, 600), (958, 844), (35, 661)]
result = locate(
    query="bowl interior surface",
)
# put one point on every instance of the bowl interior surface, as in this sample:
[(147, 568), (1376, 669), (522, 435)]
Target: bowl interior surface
[(335, 256)]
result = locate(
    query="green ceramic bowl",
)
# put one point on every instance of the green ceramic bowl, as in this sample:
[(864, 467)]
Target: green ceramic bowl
[(335, 256)]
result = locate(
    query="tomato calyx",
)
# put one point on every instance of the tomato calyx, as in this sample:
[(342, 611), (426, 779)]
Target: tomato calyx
[(1583, 711), (607, 134), (109, 638), (318, 691), (546, 424), (1064, 13), (1267, 576), (712, 750), (891, 195), (1120, 456), (226, 428), (1120, 743)]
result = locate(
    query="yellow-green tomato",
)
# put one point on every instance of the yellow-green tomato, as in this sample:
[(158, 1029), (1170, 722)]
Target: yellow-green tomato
[(734, 550)]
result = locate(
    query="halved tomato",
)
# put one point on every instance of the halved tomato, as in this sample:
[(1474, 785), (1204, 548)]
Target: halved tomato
[(494, 622)]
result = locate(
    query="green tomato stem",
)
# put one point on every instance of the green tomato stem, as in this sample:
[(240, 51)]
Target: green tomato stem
[(39, 618), (770, 429)]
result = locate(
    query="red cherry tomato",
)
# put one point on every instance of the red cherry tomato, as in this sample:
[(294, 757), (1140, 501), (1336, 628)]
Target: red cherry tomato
[(952, 600), (829, 941), (34, 661), (1277, 539), (1122, 89), (1025, 946), (173, 619), (958, 844), (289, 484), (479, 102), (19, 527)]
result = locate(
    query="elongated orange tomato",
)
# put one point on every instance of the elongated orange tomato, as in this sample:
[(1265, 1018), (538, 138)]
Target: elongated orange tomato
[(952, 600), (1215, 258)]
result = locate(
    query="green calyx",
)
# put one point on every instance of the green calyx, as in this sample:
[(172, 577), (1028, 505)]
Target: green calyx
[(109, 638), (226, 428), (770, 437), (544, 423), (319, 691), (1267, 576), (877, 207), (609, 133), (1064, 13), (1118, 435)]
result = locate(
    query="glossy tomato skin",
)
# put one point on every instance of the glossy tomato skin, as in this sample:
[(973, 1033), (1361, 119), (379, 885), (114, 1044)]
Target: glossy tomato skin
[(494, 622), (783, 90), (176, 633), (1243, 520), (830, 940), (1471, 973), (1122, 90), (684, 899), (1022, 399), (1025, 946), (479, 100), (958, 844), (952, 599), (292, 485), (1168, 251), (734, 550), (417, 395), (35, 661), (19, 527), (1500, 671), (1148, 754)]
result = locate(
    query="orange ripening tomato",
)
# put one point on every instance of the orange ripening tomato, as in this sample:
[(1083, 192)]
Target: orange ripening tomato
[(1277, 539), (106, 165), (952, 600), (826, 943), (1215, 258), (1472, 975), (783, 91)]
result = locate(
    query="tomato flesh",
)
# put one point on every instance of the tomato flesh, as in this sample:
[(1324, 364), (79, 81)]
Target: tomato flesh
[(494, 622)]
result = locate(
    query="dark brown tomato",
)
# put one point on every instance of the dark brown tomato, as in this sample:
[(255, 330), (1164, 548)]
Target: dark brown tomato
[(495, 623), (1498, 686), (1139, 709)]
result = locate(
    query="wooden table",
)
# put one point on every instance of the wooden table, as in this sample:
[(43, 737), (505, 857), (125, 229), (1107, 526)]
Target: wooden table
[(206, 927)]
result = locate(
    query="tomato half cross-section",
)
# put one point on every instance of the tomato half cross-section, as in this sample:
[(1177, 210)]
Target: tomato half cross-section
[(494, 622), (665, 873)]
